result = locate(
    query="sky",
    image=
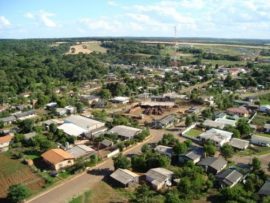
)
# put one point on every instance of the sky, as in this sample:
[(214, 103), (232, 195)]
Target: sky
[(135, 18)]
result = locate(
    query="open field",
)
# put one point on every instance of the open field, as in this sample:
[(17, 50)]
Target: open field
[(87, 48), (14, 172)]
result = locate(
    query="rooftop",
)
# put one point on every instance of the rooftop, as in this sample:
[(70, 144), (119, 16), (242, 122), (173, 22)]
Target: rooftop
[(159, 174), (124, 131), (123, 176), (72, 129), (5, 139), (83, 122), (216, 163), (56, 156), (265, 189), (229, 176), (239, 143), (80, 150)]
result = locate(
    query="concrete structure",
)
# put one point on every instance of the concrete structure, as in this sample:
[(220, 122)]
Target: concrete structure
[(58, 159), (168, 151), (120, 100), (4, 142), (219, 137), (193, 155), (260, 140), (159, 177), (125, 132), (229, 178), (125, 177), (266, 127), (164, 122), (213, 164), (239, 143), (213, 124), (81, 151)]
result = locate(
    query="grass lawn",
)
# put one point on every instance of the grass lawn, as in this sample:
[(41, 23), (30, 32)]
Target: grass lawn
[(254, 151), (194, 132), (96, 46), (260, 119), (264, 102), (263, 134), (84, 198)]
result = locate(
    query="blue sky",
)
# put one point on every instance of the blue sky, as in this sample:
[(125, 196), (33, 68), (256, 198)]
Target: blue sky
[(86, 18)]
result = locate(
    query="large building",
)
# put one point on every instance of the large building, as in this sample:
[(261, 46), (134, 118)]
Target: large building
[(219, 137), (125, 132)]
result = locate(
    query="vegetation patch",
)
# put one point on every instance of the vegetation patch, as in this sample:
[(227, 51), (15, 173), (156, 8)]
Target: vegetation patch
[(194, 132)]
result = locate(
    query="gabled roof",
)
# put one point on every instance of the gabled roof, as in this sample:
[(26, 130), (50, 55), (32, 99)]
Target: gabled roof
[(194, 154), (5, 139), (238, 110), (83, 122), (239, 143), (123, 176), (55, 156), (265, 189), (267, 126), (72, 129), (164, 149), (80, 150), (229, 176), (216, 163), (8, 119), (124, 131), (167, 119), (158, 175), (213, 124)]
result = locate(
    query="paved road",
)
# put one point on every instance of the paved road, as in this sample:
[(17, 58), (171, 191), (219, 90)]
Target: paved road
[(66, 190)]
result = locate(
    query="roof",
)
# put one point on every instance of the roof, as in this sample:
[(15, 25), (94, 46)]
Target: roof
[(107, 142), (152, 104), (158, 175), (260, 138), (216, 135), (28, 136), (56, 156), (72, 129), (124, 131), (167, 119), (8, 119), (239, 143), (194, 154), (267, 126), (226, 121), (238, 110), (5, 139), (213, 124), (229, 176), (216, 163), (83, 122), (164, 149), (265, 189), (80, 150), (123, 176), (26, 113), (120, 99)]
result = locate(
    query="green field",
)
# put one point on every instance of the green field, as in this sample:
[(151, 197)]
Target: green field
[(194, 132), (260, 119), (95, 46)]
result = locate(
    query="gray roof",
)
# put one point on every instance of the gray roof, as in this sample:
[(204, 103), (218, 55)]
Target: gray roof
[(26, 113), (107, 142), (213, 124), (265, 189), (159, 174), (194, 154), (216, 163), (262, 139), (124, 131), (81, 150), (230, 176), (83, 122), (8, 119), (123, 176), (267, 126), (167, 119), (29, 135), (164, 150), (239, 143)]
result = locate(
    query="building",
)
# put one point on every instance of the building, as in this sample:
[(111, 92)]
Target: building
[(164, 122), (4, 142), (213, 164), (106, 143), (260, 140), (125, 177), (219, 137), (266, 127), (159, 177), (61, 111), (194, 155), (50, 106), (25, 115), (239, 143), (213, 124), (168, 151), (157, 104), (72, 129), (120, 100), (226, 122), (58, 159), (125, 132), (81, 151), (29, 136), (90, 99), (265, 109), (71, 109), (239, 111), (265, 189), (8, 120), (229, 178)]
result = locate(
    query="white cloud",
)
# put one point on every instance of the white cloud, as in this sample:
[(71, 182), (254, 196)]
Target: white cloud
[(42, 17), (4, 22), (29, 15), (112, 3)]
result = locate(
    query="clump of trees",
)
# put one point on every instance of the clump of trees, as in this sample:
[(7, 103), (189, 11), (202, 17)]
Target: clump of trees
[(17, 193)]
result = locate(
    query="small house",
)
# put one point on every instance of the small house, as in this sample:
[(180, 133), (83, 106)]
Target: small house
[(239, 111), (219, 137), (265, 189), (4, 142), (125, 177), (25, 115), (164, 122), (194, 155), (266, 127), (159, 177), (260, 140), (8, 120), (213, 164), (229, 178), (239, 143), (120, 100), (125, 132), (81, 151), (168, 151)]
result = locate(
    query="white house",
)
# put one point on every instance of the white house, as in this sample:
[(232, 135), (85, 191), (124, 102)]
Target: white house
[(159, 177), (120, 100), (219, 137)]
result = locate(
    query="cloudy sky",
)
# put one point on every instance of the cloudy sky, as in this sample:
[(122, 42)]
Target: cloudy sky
[(81, 18)]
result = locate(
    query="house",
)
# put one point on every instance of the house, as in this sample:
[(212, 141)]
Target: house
[(29, 136), (213, 164), (81, 151), (58, 159), (266, 127), (72, 129), (60, 111), (260, 140), (8, 120), (50, 106), (239, 111), (194, 155), (90, 99), (106, 143), (159, 177), (4, 142), (213, 124), (120, 100), (265, 189), (25, 115), (226, 122), (164, 150), (219, 137), (125, 177), (96, 133), (71, 109), (125, 132), (265, 109), (164, 122), (229, 178), (239, 143), (147, 104)]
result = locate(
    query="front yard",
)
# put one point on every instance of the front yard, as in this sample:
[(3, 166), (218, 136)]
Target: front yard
[(194, 132)]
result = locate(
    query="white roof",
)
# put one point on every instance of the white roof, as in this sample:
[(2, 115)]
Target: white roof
[(226, 121), (80, 150), (125, 131), (124, 176), (122, 99), (83, 122), (216, 135), (213, 124), (72, 129), (170, 104)]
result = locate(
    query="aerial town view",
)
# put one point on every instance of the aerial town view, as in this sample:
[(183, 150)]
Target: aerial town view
[(143, 101)]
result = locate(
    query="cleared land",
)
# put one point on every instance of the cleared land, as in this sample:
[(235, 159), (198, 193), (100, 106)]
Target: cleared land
[(14, 172), (87, 48)]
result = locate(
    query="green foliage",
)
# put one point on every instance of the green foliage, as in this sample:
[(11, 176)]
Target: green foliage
[(26, 125), (235, 131), (188, 121), (17, 193), (256, 164), (143, 194), (121, 162), (105, 94), (100, 114), (209, 148), (168, 140), (227, 151), (243, 127), (180, 148)]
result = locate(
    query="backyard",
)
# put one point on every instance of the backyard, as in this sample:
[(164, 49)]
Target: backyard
[(194, 132)]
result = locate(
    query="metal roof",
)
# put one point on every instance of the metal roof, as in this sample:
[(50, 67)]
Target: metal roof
[(216, 163), (229, 176), (159, 174), (239, 143), (83, 122), (124, 131), (80, 150), (265, 189), (123, 176)]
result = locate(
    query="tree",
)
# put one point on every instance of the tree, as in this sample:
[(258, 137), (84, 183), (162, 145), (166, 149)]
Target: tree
[(172, 197), (209, 148), (121, 162), (256, 164), (17, 193), (143, 194), (227, 151), (1, 124), (79, 107), (180, 148), (26, 126), (146, 148), (188, 121), (168, 140), (243, 127), (105, 94)]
